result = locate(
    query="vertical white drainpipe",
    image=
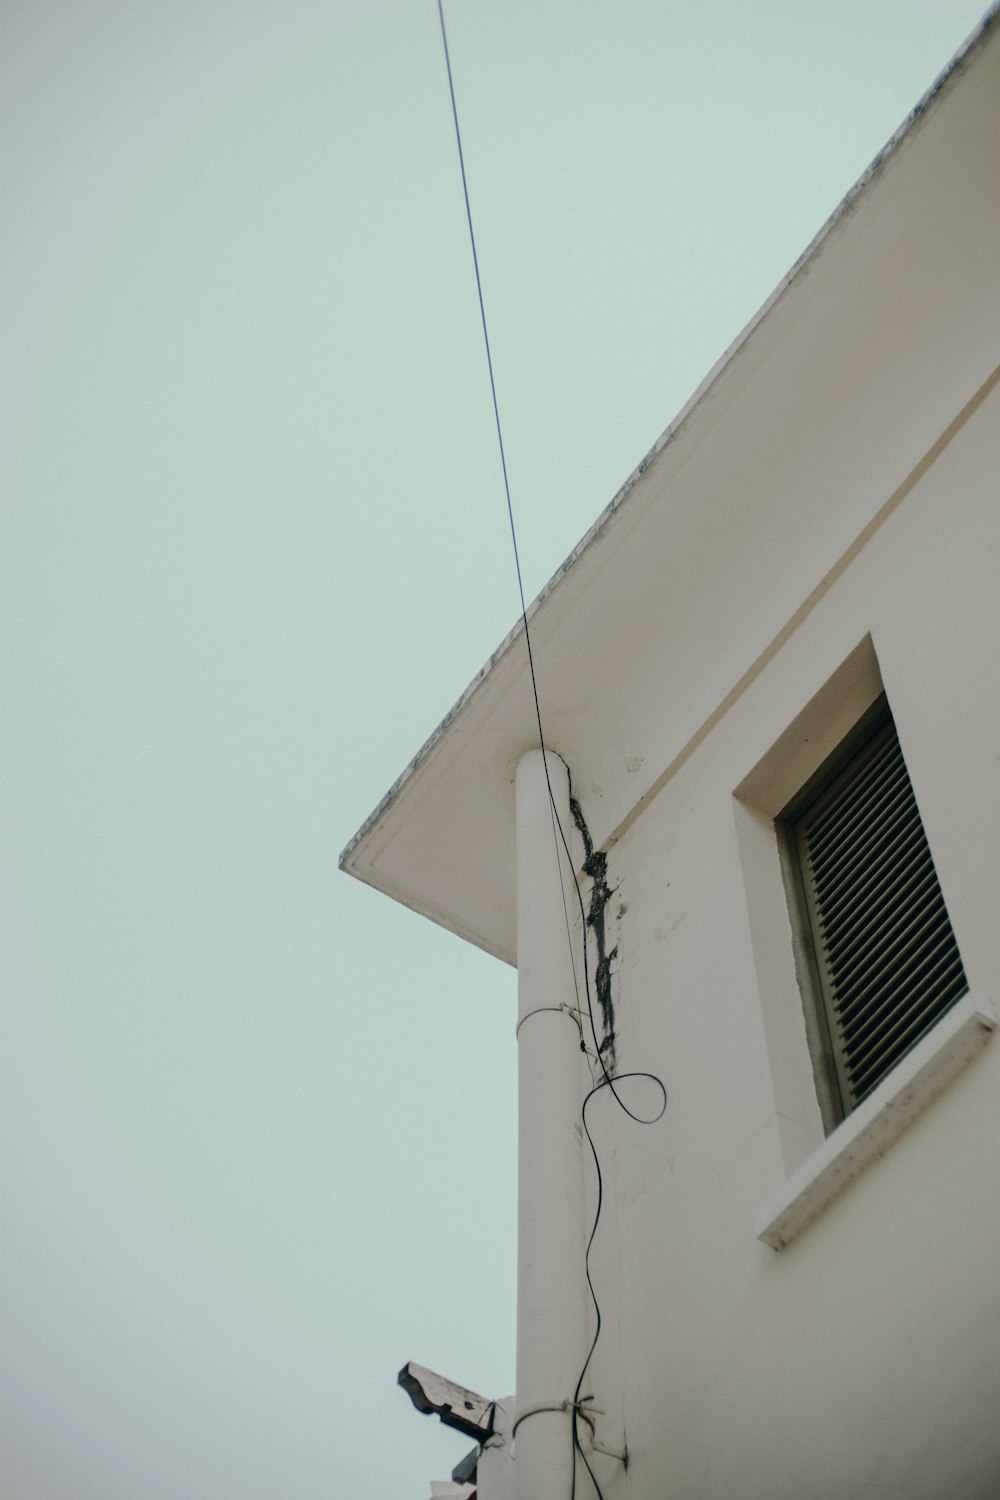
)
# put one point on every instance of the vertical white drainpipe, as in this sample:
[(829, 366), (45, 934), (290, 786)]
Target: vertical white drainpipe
[(551, 1302)]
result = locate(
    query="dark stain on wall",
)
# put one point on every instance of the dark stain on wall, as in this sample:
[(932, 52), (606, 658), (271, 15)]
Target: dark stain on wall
[(595, 865)]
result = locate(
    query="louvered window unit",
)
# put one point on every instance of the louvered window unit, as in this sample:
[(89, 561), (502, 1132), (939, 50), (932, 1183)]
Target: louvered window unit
[(877, 943)]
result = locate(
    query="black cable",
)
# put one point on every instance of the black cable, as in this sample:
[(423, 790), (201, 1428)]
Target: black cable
[(608, 1081), (642, 1120), (520, 582)]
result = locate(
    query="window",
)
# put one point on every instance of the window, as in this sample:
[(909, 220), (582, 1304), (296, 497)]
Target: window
[(877, 958)]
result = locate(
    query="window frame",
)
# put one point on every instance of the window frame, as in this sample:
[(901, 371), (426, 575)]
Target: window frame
[(833, 1087)]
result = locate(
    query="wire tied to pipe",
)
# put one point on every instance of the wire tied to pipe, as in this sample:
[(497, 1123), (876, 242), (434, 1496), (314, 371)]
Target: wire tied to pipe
[(585, 1411), (580, 1407), (571, 1011)]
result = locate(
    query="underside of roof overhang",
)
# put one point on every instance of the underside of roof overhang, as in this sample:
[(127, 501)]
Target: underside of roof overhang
[(878, 338)]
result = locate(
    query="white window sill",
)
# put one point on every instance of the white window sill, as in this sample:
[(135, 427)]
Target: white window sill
[(876, 1123)]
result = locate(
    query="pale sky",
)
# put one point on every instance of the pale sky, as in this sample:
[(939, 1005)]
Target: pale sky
[(259, 1130)]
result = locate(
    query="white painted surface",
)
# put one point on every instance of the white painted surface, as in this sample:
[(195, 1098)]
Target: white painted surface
[(551, 1307), (871, 1129), (864, 1359)]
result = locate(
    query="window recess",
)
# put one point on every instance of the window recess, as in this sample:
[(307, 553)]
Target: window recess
[(877, 957)]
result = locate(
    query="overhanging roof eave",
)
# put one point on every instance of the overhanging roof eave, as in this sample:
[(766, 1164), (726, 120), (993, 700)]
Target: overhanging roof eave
[(494, 679)]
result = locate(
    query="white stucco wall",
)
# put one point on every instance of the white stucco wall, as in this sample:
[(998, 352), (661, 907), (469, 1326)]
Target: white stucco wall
[(863, 1360)]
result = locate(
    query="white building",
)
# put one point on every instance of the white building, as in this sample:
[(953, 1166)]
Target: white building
[(798, 1266)]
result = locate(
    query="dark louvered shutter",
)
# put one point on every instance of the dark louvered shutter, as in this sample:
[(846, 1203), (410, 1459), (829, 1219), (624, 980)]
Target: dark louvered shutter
[(886, 955)]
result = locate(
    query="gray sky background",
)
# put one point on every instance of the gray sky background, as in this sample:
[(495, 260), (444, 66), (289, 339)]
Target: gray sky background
[(260, 1123)]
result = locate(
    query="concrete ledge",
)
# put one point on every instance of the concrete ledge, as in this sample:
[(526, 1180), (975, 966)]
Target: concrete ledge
[(876, 1123)]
